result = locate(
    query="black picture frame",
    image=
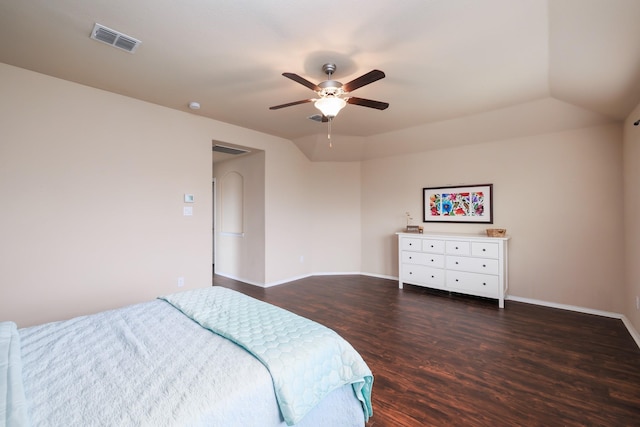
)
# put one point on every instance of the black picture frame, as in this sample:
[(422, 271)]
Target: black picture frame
[(458, 204)]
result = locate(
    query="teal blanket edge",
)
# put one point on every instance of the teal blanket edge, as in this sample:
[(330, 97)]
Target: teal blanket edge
[(13, 404), (306, 360)]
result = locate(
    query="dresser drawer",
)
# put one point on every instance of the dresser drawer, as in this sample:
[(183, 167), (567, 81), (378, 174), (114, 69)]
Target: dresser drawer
[(422, 258), (486, 250), (474, 265), (433, 246), (411, 244), (458, 248), (477, 284), (421, 275)]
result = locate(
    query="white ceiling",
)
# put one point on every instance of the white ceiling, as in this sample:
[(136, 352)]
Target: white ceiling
[(444, 59)]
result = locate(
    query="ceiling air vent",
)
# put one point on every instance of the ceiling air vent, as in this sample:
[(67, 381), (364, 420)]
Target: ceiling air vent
[(114, 38), (229, 150)]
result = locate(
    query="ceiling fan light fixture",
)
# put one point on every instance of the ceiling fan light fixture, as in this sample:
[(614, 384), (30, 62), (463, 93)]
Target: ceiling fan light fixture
[(330, 106)]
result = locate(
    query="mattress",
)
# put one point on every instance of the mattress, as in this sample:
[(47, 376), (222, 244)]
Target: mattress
[(150, 365)]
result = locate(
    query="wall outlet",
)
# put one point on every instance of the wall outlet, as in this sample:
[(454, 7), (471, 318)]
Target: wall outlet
[(180, 282), (301, 259)]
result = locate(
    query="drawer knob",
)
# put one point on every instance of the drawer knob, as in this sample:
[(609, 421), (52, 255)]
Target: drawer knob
[(484, 265), (456, 280), (484, 284), (456, 247), (410, 257), (432, 276), (456, 262), (431, 260), (431, 245)]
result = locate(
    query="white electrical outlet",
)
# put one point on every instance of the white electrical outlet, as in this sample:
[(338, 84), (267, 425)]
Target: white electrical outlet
[(301, 259), (180, 282)]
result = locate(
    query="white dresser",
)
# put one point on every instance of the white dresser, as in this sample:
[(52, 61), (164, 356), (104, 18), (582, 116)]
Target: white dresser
[(465, 263)]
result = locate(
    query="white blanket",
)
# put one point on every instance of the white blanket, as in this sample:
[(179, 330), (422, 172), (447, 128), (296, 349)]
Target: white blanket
[(149, 365), (306, 359)]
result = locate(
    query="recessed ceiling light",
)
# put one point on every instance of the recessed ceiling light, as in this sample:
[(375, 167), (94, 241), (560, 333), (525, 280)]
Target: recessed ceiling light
[(194, 105)]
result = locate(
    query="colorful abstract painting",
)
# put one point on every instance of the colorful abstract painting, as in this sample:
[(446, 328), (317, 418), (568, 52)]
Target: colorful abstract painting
[(458, 204)]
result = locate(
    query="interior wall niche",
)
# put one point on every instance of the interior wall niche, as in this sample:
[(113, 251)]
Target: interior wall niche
[(232, 203)]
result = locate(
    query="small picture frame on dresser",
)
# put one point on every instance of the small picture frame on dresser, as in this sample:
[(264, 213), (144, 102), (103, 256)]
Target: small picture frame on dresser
[(412, 229)]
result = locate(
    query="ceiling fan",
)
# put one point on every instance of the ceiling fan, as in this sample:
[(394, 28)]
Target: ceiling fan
[(333, 95)]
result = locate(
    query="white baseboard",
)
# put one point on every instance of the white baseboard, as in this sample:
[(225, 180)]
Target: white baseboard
[(625, 321), (631, 329), (564, 307), (379, 276), (291, 279), (240, 279)]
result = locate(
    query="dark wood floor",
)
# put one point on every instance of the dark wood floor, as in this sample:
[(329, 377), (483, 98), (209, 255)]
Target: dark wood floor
[(450, 360)]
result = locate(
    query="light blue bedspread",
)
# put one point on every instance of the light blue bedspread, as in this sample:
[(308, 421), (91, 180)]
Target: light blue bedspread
[(306, 360), (13, 409)]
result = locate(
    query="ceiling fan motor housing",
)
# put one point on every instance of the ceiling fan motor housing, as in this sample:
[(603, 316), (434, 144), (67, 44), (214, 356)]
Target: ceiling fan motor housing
[(330, 88)]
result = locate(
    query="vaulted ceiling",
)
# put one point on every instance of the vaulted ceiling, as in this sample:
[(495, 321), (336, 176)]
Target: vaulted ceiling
[(444, 59)]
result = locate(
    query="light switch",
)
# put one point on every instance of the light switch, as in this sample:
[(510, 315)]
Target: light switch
[(187, 210)]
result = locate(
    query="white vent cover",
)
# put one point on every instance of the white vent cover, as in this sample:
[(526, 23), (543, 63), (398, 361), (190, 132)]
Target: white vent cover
[(114, 38)]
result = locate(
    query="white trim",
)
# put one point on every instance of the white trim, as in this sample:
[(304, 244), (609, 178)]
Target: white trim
[(214, 224), (240, 279), (338, 273), (565, 307), (625, 321), (631, 329), (380, 276), (282, 282)]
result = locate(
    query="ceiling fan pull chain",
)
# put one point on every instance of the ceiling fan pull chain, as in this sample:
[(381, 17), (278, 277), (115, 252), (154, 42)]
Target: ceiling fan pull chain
[(329, 133)]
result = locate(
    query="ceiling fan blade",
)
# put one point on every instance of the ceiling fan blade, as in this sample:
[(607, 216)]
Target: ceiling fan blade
[(365, 79), (302, 81), (368, 103), (289, 104)]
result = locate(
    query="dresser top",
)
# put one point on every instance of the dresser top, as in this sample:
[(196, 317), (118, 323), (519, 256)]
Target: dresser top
[(443, 235)]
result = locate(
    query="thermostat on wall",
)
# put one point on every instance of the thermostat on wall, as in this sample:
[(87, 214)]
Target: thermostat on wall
[(188, 198)]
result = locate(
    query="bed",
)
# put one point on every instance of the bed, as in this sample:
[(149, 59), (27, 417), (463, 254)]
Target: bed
[(206, 357)]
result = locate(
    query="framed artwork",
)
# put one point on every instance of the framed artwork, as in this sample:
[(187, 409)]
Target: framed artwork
[(473, 203)]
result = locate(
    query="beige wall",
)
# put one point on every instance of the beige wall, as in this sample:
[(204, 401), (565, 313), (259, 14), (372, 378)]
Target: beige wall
[(288, 212), (92, 185), (92, 192), (631, 150), (242, 255), (553, 193), (334, 224)]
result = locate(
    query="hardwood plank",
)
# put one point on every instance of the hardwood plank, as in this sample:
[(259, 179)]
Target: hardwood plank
[(443, 359)]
